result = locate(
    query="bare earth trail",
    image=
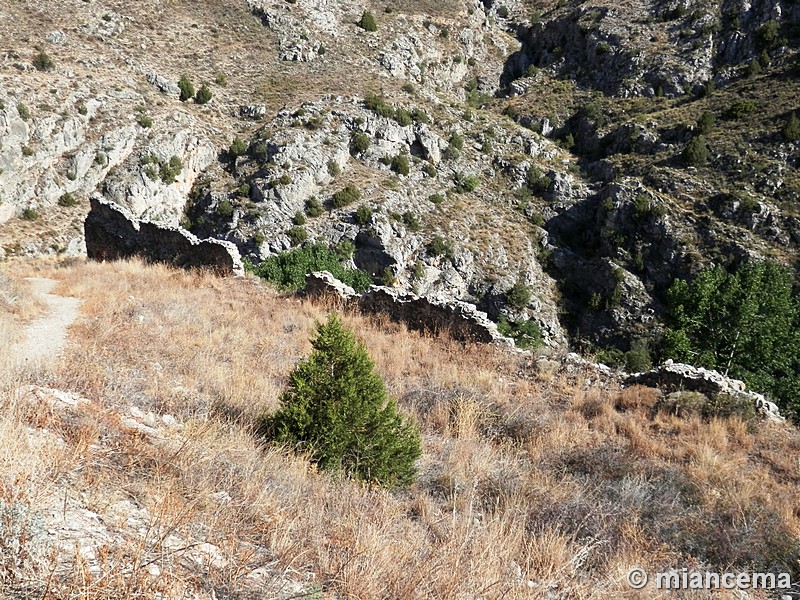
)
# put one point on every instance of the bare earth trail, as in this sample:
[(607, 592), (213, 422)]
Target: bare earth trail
[(46, 337)]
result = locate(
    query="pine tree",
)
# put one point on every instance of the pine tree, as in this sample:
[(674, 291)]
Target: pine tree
[(791, 130), (336, 410), (238, 147), (696, 152), (744, 324), (367, 22), (187, 88), (705, 123), (203, 95)]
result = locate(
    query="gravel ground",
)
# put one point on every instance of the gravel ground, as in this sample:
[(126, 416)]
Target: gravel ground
[(46, 337)]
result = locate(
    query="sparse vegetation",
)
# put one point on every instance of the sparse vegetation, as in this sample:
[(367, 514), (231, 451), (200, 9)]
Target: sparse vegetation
[(466, 183), (411, 221), (403, 117), (696, 152), (297, 235), (169, 170), (519, 295), (401, 165), (363, 214), (67, 200), (454, 146), (367, 21), (441, 246), (313, 207), (767, 34), (224, 209), (238, 147), (791, 129), (741, 108), (388, 277), (526, 334), (646, 208), (359, 142), (346, 196), (43, 62), (203, 95), (705, 123), (23, 111), (538, 183)]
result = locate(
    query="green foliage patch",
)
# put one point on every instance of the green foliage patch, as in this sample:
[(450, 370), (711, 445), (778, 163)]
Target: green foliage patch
[(696, 152), (186, 87), (745, 324), (367, 21), (203, 95), (43, 62), (337, 411), (519, 295), (526, 334), (288, 270), (347, 195)]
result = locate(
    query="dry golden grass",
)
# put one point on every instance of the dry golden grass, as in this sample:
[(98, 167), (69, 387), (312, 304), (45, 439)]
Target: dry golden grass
[(528, 488)]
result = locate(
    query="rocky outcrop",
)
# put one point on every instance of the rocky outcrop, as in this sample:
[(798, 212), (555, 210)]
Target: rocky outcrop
[(112, 233), (673, 52), (460, 320), (44, 155), (164, 85), (307, 155), (137, 184), (322, 284), (253, 111), (672, 377)]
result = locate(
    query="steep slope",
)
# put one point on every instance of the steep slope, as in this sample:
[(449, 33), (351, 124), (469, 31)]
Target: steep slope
[(131, 468)]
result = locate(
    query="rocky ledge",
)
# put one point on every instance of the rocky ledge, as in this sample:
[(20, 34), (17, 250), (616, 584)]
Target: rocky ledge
[(112, 233), (674, 377), (460, 320)]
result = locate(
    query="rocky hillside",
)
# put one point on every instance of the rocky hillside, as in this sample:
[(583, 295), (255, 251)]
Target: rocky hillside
[(554, 166), (558, 165)]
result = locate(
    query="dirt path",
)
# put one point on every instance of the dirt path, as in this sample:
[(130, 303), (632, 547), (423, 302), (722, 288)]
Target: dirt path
[(46, 337)]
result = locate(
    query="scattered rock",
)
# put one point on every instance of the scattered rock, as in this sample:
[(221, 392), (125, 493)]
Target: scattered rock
[(57, 399), (253, 111), (322, 284), (164, 85), (58, 38)]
